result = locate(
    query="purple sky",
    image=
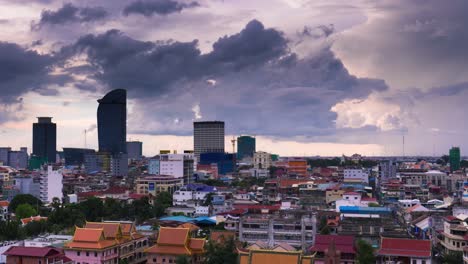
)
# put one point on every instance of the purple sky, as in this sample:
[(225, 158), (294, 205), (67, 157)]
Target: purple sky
[(306, 77)]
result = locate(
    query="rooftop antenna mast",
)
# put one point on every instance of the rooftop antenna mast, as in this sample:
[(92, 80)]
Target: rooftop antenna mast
[(85, 143), (403, 145)]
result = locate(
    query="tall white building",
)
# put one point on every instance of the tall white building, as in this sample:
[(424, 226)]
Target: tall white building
[(51, 185), (208, 137), (177, 165)]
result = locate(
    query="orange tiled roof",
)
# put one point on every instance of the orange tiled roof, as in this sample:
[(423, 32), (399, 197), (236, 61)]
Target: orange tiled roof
[(92, 238), (88, 234), (197, 244), (169, 250), (219, 236), (173, 236), (191, 226), (267, 257), (26, 221), (111, 230), (4, 203), (127, 228)]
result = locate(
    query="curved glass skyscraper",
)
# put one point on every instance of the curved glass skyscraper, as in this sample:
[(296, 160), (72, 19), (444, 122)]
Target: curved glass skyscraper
[(112, 122)]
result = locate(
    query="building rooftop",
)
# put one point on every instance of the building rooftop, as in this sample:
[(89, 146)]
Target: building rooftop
[(405, 247), (39, 252)]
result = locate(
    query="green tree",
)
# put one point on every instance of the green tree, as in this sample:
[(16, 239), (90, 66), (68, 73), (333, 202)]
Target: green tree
[(11, 230), (221, 253), (365, 253), (325, 230), (24, 211), (93, 209), (183, 259), (374, 205), (24, 199), (452, 258), (35, 228), (208, 199), (162, 201)]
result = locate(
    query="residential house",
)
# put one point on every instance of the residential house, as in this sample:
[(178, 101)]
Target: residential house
[(4, 210), (44, 255), (344, 246), (401, 250)]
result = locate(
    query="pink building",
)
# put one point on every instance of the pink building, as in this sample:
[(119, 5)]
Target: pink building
[(106, 243)]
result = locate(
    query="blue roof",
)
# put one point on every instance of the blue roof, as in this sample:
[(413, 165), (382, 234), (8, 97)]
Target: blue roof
[(364, 210), (205, 220), (179, 218), (200, 187)]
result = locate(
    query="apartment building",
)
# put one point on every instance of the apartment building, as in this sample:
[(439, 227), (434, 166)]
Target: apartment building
[(296, 228)]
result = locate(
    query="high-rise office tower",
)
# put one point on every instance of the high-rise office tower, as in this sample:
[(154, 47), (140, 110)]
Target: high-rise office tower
[(112, 122), (454, 158), (208, 137), (134, 150), (245, 147), (45, 139)]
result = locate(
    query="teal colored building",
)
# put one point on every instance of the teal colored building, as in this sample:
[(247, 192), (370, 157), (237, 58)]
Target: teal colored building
[(454, 158), (246, 146)]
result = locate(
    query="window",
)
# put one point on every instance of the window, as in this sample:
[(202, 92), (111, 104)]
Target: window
[(78, 253), (423, 262), (414, 261), (170, 260), (154, 260), (95, 254), (164, 260), (87, 253)]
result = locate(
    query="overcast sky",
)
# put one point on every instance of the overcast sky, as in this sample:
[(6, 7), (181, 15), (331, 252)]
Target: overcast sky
[(306, 77)]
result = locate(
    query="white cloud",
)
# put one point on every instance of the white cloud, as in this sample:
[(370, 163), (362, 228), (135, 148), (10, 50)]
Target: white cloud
[(197, 112), (372, 111)]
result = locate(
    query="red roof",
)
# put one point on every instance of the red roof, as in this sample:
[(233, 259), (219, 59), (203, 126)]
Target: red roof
[(39, 252), (345, 244), (405, 247), (236, 212), (4, 203), (257, 207)]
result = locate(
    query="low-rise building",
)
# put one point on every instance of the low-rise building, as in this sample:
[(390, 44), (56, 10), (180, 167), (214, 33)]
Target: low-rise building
[(107, 242), (4, 210), (157, 184), (343, 245), (294, 228), (400, 250), (455, 234), (21, 254), (175, 242)]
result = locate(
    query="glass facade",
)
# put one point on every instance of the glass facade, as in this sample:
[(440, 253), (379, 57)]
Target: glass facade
[(112, 122), (45, 139), (245, 147)]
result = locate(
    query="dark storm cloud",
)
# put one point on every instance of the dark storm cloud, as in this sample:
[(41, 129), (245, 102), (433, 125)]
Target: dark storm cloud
[(69, 13), (149, 68), (23, 70), (411, 43), (157, 7)]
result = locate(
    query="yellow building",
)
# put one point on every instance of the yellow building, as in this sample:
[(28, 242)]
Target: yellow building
[(159, 183), (333, 194)]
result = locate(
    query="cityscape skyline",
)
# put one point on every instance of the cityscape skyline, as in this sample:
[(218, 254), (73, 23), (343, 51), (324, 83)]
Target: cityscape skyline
[(306, 86)]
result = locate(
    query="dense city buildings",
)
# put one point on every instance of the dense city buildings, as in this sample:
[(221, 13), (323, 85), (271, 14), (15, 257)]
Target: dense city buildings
[(225, 162), (45, 139), (208, 137), (76, 156), (134, 150), (454, 159), (112, 122), (246, 147)]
